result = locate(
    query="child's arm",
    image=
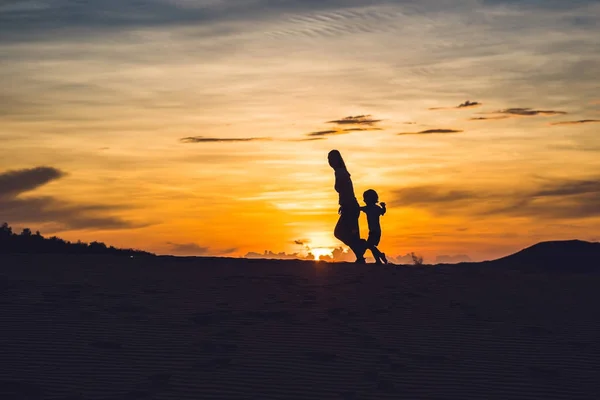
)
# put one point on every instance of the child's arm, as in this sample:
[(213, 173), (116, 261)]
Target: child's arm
[(383, 209)]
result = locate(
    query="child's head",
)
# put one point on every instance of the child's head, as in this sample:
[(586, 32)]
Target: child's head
[(370, 197)]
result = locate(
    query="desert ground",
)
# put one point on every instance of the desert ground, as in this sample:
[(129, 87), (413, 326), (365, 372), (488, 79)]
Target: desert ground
[(107, 327)]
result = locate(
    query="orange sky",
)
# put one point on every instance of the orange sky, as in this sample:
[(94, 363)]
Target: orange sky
[(107, 105)]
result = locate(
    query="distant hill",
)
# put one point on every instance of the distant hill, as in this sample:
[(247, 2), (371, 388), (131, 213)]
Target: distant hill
[(34, 243), (560, 256)]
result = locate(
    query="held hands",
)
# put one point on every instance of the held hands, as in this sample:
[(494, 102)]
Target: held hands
[(382, 204)]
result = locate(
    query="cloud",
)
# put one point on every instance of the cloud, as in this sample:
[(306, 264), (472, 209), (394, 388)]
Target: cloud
[(355, 120), (302, 242), (309, 139), (431, 131), (528, 112), (279, 256), (339, 254), (188, 249), (325, 133), (361, 129), (193, 249), (553, 199), (345, 131), (466, 104), (15, 182), (581, 121), (446, 259), (489, 118), (46, 209), (202, 139)]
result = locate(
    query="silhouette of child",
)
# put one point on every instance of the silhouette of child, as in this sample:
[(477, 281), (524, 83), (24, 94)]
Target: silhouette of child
[(374, 211)]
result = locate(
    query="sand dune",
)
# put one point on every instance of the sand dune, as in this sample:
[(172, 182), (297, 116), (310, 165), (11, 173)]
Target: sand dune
[(103, 327)]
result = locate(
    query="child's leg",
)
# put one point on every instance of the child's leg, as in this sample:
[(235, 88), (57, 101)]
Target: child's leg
[(372, 242)]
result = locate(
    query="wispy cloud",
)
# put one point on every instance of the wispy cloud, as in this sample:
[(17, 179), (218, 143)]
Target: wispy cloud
[(193, 249), (581, 121), (331, 132), (528, 112), (489, 118), (431, 131), (202, 139), (466, 104), (558, 198), (309, 139), (326, 133), (356, 120)]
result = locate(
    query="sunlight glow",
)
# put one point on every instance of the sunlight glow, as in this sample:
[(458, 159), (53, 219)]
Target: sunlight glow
[(320, 251)]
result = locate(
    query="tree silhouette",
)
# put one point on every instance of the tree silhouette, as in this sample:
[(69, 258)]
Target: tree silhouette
[(29, 243)]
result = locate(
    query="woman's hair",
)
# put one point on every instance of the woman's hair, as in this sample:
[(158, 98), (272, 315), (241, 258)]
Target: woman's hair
[(370, 196), (336, 160)]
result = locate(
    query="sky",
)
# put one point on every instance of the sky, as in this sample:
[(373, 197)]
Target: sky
[(202, 127)]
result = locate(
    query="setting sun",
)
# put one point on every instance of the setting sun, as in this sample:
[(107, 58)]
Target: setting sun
[(320, 251)]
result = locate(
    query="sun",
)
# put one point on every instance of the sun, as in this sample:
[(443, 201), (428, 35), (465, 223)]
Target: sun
[(320, 251)]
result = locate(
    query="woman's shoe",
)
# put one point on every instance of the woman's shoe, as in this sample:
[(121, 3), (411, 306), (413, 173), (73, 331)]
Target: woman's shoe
[(360, 261)]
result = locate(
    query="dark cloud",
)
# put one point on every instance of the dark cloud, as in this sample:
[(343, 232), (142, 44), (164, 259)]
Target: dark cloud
[(355, 120), (331, 132), (488, 118), (202, 139), (528, 112), (552, 199), (324, 133), (45, 20), (302, 242), (581, 121), (466, 104), (193, 249), (469, 104), (46, 209), (409, 123), (431, 131), (361, 129), (18, 181), (430, 195)]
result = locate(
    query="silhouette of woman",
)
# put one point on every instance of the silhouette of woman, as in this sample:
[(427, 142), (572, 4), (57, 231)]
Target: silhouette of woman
[(346, 229)]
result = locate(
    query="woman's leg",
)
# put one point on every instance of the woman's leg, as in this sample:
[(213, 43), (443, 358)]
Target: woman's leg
[(347, 231)]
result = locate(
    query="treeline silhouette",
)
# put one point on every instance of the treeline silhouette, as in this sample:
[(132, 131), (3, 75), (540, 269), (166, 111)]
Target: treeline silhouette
[(34, 243)]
